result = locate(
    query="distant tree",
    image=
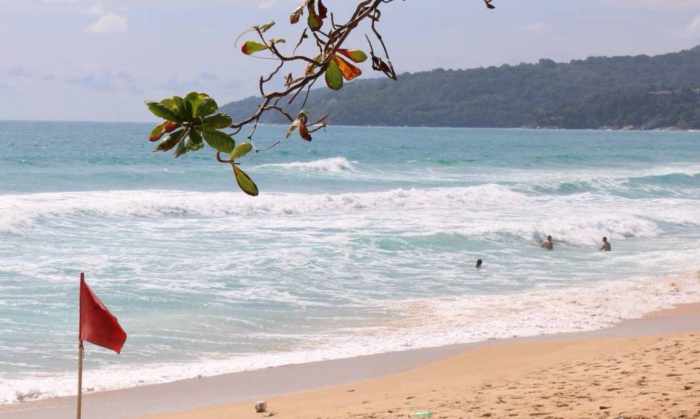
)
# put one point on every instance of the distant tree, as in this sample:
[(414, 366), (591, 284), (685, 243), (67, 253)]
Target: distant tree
[(195, 119), (613, 92)]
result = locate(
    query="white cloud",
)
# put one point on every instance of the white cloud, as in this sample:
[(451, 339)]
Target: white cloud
[(109, 23), (96, 9), (693, 27)]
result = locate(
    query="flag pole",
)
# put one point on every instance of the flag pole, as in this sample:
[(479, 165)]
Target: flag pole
[(81, 351)]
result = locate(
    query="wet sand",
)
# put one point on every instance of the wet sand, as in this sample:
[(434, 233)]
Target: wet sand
[(643, 368)]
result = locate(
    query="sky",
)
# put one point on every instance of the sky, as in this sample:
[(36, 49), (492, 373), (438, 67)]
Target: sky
[(98, 60)]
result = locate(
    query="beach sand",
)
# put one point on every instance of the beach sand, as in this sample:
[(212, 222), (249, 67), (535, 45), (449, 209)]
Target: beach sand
[(649, 377), (647, 368)]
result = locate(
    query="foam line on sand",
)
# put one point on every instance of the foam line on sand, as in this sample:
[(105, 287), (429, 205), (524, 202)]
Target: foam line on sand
[(641, 368)]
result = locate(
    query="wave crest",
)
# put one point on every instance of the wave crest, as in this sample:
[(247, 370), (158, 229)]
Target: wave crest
[(489, 209), (331, 165)]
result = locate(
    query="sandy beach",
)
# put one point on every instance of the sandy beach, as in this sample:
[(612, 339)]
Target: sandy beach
[(620, 378), (646, 368), (603, 377)]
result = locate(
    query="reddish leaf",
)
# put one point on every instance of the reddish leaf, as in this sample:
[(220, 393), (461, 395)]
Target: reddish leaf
[(349, 71), (322, 10), (157, 132), (356, 55), (170, 126), (379, 65), (304, 130), (296, 15)]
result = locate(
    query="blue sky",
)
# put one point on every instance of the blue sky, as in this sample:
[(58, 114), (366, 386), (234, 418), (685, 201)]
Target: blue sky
[(99, 60)]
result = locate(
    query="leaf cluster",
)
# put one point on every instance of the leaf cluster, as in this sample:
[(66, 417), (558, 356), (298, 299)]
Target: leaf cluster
[(194, 120)]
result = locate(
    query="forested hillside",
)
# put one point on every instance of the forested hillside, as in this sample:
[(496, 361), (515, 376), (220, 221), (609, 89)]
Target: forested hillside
[(614, 92)]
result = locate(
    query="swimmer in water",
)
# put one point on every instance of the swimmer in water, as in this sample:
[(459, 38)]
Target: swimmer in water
[(606, 245), (548, 244), (479, 262)]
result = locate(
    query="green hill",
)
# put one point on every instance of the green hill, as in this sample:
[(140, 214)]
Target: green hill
[(615, 92)]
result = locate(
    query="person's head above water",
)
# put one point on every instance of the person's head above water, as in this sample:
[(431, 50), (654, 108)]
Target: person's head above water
[(479, 262), (605, 239), (549, 238)]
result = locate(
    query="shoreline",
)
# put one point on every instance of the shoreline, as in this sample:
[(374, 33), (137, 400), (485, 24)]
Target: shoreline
[(167, 399), (448, 325)]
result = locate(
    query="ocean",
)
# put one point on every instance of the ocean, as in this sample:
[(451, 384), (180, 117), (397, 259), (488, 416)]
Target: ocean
[(363, 241)]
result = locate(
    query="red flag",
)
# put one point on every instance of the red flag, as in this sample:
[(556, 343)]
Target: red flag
[(97, 324)]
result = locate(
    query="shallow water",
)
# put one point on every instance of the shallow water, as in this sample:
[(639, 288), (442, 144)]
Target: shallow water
[(363, 241)]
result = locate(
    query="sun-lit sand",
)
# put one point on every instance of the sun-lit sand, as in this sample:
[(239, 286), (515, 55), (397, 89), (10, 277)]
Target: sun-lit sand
[(600, 377), (647, 368)]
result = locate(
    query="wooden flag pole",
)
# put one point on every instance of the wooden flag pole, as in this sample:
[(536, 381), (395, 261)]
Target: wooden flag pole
[(81, 354), (95, 325), (81, 350)]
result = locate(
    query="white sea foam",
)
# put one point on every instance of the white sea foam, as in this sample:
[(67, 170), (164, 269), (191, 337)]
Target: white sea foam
[(422, 324), (578, 219), (331, 165), (202, 279), (489, 211)]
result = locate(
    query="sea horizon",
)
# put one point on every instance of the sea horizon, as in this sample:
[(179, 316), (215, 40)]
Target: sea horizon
[(270, 124)]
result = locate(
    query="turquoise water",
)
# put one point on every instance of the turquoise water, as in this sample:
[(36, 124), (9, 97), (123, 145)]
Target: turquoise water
[(361, 242)]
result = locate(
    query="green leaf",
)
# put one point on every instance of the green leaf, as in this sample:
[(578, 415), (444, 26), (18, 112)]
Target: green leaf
[(201, 104), (356, 55), (181, 149), (176, 105), (195, 99), (196, 136), (193, 145), (174, 139), (251, 47), (192, 97), (315, 22), (206, 107), (241, 150), (219, 141), (162, 111), (334, 77), (266, 27), (188, 110), (170, 104), (218, 121), (181, 108), (245, 182)]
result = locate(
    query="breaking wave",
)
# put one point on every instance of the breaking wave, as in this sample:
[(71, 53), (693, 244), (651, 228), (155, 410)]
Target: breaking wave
[(331, 165), (471, 211)]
